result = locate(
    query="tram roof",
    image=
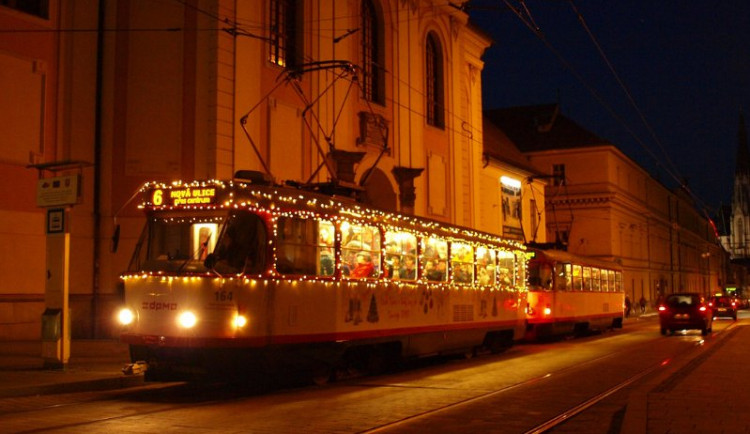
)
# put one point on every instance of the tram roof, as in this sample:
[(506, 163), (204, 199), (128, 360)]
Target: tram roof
[(202, 195), (567, 257)]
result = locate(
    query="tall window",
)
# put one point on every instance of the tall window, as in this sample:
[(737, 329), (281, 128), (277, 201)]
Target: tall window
[(372, 58), (558, 172), (40, 8), (434, 81), (283, 41)]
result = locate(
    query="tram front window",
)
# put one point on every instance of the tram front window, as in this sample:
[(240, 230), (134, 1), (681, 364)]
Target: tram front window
[(176, 244), (540, 275)]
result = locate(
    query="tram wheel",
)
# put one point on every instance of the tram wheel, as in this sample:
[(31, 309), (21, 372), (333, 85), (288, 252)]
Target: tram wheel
[(321, 374)]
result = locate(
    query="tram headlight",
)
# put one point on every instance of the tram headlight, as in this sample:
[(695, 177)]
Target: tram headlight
[(187, 319), (125, 316), (547, 310), (240, 321)]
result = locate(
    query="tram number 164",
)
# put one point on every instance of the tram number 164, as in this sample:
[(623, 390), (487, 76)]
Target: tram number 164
[(223, 295)]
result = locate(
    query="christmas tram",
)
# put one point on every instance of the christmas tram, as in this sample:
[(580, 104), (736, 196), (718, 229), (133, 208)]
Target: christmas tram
[(251, 275), (569, 294)]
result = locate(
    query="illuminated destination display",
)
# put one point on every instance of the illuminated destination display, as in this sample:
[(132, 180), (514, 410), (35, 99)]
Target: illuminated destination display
[(184, 196)]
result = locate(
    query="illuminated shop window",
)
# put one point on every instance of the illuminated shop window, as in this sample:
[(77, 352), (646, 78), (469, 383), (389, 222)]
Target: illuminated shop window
[(462, 263), (360, 251), (400, 256), (486, 266), (506, 268), (434, 259), (305, 247)]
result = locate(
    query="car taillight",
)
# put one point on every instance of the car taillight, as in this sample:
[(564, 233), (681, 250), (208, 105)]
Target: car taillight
[(662, 308), (702, 308)]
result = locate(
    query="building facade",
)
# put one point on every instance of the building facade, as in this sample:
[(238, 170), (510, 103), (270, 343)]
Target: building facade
[(378, 98), (602, 204)]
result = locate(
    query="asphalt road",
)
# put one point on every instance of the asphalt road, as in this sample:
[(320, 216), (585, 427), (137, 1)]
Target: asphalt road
[(514, 392)]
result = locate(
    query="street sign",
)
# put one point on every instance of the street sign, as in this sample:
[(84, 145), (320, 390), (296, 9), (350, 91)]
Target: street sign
[(58, 191)]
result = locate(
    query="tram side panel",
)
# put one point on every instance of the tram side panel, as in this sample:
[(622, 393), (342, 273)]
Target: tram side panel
[(421, 319), (566, 312)]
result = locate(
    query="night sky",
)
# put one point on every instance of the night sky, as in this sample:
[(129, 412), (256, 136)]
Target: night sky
[(684, 63)]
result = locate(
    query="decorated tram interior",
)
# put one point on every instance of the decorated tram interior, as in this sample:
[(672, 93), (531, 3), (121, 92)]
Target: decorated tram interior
[(237, 243)]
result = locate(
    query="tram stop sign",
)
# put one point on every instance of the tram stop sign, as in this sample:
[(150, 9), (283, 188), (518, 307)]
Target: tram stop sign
[(58, 191)]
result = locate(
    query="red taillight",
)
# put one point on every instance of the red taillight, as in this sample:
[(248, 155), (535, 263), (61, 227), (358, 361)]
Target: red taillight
[(702, 308), (662, 308)]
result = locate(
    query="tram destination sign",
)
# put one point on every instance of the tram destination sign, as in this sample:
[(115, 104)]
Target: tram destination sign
[(183, 196)]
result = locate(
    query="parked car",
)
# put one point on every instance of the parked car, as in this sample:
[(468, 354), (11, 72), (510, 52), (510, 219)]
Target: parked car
[(685, 311), (724, 307)]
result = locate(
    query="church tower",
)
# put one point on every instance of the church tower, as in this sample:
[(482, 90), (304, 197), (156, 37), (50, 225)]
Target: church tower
[(740, 220)]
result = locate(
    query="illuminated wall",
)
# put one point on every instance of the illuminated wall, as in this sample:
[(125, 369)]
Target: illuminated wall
[(162, 98), (613, 209)]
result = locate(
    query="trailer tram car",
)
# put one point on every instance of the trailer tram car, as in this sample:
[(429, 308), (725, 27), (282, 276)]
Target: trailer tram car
[(569, 294), (252, 275)]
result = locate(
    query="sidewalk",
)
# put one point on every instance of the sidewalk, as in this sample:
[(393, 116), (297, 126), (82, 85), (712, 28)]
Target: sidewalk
[(697, 394), (93, 365)]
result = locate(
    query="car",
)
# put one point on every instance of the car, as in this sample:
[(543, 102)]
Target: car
[(724, 306), (685, 311)]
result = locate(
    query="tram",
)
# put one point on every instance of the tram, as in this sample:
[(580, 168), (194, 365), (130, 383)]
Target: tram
[(570, 294), (255, 275)]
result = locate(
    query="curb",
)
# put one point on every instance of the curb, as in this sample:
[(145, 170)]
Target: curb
[(92, 385)]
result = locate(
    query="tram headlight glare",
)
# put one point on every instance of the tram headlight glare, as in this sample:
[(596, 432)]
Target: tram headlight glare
[(547, 311), (125, 316), (240, 321), (187, 319)]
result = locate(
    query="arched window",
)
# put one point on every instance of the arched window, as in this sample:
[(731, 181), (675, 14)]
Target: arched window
[(284, 41), (372, 54), (434, 81)]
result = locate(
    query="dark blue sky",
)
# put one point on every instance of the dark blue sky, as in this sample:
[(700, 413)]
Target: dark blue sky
[(685, 63)]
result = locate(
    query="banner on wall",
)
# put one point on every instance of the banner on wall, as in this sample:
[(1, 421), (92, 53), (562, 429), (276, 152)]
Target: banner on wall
[(511, 200)]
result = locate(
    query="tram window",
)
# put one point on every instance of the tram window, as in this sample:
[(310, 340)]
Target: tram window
[(486, 266), (568, 277), (360, 251), (595, 280), (203, 240), (305, 246), (605, 280), (434, 259), (400, 256), (587, 278), (462, 262), (562, 277), (540, 275), (176, 244), (506, 268), (242, 246), (618, 281), (578, 284)]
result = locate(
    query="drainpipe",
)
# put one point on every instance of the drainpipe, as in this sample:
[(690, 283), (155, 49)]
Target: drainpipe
[(97, 171)]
